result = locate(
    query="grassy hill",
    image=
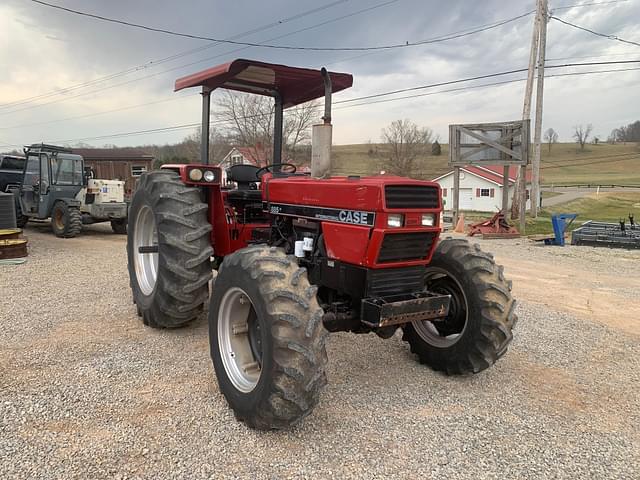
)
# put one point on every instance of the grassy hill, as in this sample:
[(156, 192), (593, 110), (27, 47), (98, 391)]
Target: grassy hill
[(607, 207), (564, 165), (567, 165), (369, 159)]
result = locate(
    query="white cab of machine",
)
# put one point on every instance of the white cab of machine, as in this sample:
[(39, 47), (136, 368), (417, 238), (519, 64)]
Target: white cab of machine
[(103, 199), (105, 191)]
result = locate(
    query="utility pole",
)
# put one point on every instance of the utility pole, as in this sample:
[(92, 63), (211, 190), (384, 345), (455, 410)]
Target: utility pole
[(533, 54), (535, 167), (519, 200)]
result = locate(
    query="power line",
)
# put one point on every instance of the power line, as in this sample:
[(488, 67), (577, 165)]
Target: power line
[(153, 63), (155, 130), (590, 56), (481, 77), (220, 122), (599, 34), (440, 84), (173, 98), (504, 82), (191, 125), (495, 24), (128, 134), (566, 7), (129, 107), (584, 64), (263, 45), (373, 7)]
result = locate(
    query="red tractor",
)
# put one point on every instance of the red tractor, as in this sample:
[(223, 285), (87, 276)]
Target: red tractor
[(298, 255)]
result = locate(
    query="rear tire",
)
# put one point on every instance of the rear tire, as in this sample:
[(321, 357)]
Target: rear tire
[(21, 220), (266, 337), (119, 226), (171, 286), (66, 221), (477, 330)]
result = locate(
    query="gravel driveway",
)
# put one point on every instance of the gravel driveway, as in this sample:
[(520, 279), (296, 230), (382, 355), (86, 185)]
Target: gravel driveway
[(86, 391)]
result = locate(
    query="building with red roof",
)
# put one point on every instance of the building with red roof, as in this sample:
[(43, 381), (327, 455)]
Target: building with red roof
[(480, 187)]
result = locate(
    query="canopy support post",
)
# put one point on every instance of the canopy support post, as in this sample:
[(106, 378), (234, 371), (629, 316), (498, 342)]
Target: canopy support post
[(277, 133), (204, 133)]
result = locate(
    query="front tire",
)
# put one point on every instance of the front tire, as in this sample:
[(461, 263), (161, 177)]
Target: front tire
[(21, 220), (169, 286), (477, 330), (266, 337), (66, 221), (119, 226)]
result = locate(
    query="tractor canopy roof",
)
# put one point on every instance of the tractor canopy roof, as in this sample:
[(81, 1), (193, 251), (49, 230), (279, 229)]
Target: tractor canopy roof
[(294, 85)]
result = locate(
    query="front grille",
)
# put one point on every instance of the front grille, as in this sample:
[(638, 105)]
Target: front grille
[(400, 247), (411, 196), (390, 281)]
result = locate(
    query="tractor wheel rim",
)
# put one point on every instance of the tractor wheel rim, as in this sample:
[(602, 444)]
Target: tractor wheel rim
[(447, 333), (238, 340), (146, 264)]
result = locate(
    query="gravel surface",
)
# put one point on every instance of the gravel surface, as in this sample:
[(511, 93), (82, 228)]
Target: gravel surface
[(86, 391)]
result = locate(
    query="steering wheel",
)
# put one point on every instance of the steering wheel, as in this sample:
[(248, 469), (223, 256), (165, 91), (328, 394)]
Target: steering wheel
[(267, 168)]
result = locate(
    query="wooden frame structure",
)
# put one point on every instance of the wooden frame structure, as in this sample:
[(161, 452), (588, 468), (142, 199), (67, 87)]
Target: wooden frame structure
[(501, 143)]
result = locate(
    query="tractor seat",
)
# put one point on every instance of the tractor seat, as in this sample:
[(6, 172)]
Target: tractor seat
[(247, 181)]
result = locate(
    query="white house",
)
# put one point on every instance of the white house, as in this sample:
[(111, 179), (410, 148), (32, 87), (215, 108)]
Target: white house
[(243, 156), (251, 156), (480, 188)]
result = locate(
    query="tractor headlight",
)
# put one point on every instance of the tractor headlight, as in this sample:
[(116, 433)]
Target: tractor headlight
[(195, 174), (209, 176), (395, 220), (428, 219)]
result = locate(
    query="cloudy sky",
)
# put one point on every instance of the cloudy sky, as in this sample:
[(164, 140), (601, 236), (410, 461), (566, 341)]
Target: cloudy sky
[(44, 52)]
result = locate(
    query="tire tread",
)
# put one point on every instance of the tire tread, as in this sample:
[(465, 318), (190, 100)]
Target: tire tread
[(182, 286), (496, 319)]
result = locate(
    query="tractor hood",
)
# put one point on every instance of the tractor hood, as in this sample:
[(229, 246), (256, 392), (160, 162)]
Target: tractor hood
[(366, 194)]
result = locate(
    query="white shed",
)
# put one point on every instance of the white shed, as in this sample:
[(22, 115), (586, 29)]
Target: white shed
[(243, 156), (480, 188)]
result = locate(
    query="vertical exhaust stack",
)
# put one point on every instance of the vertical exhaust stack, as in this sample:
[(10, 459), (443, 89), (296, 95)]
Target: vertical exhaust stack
[(321, 136)]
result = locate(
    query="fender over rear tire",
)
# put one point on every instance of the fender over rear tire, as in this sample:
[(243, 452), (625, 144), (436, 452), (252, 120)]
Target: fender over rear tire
[(66, 221), (171, 286), (266, 337), (479, 326)]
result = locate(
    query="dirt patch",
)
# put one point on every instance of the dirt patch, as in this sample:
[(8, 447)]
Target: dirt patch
[(577, 291)]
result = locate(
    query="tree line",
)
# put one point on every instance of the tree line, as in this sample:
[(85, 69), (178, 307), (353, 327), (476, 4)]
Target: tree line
[(583, 133), (628, 133)]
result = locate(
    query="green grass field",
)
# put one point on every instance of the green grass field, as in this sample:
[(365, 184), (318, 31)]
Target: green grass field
[(606, 207), (564, 165)]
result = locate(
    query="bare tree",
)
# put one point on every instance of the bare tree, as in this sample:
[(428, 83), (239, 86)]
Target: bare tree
[(296, 132), (405, 142), (219, 146), (551, 137), (250, 124), (188, 150), (581, 134)]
